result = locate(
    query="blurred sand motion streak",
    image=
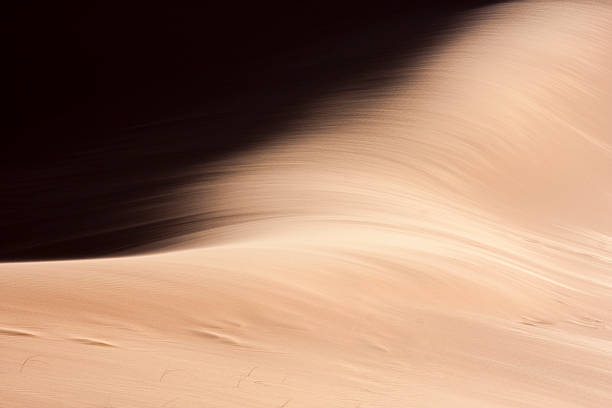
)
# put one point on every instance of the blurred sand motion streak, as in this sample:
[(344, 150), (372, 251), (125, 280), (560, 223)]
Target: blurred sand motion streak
[(446, 243)]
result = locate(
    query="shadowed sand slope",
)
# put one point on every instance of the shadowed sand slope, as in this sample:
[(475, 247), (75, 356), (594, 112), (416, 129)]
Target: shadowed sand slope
[(445, 243)]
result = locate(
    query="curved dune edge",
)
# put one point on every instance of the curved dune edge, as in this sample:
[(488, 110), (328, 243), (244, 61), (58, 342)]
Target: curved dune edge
[(448, 245)]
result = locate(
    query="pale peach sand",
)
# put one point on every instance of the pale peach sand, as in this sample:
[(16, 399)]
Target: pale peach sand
[(444, 243)]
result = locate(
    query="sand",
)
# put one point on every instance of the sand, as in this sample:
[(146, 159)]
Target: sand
[(446, 242)]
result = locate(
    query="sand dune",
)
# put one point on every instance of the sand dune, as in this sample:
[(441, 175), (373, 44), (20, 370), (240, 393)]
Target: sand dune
[(445, 242)]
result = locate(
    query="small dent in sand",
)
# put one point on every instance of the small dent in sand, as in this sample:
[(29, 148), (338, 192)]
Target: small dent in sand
[(221, 338), (93, 342), (14, 332), (377, 346), (587, 321), (535, 321)]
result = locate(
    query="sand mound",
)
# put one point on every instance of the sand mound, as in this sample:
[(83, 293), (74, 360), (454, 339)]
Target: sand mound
[(445, 243)]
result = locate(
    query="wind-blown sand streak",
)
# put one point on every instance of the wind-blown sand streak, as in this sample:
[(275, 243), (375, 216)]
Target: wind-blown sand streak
[(445, 243)]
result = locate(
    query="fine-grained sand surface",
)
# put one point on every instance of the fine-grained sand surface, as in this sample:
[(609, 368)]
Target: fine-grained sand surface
[(446, 243)]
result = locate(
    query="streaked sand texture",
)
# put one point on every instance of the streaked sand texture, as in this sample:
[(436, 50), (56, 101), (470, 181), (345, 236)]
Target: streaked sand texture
[(445, 242)]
